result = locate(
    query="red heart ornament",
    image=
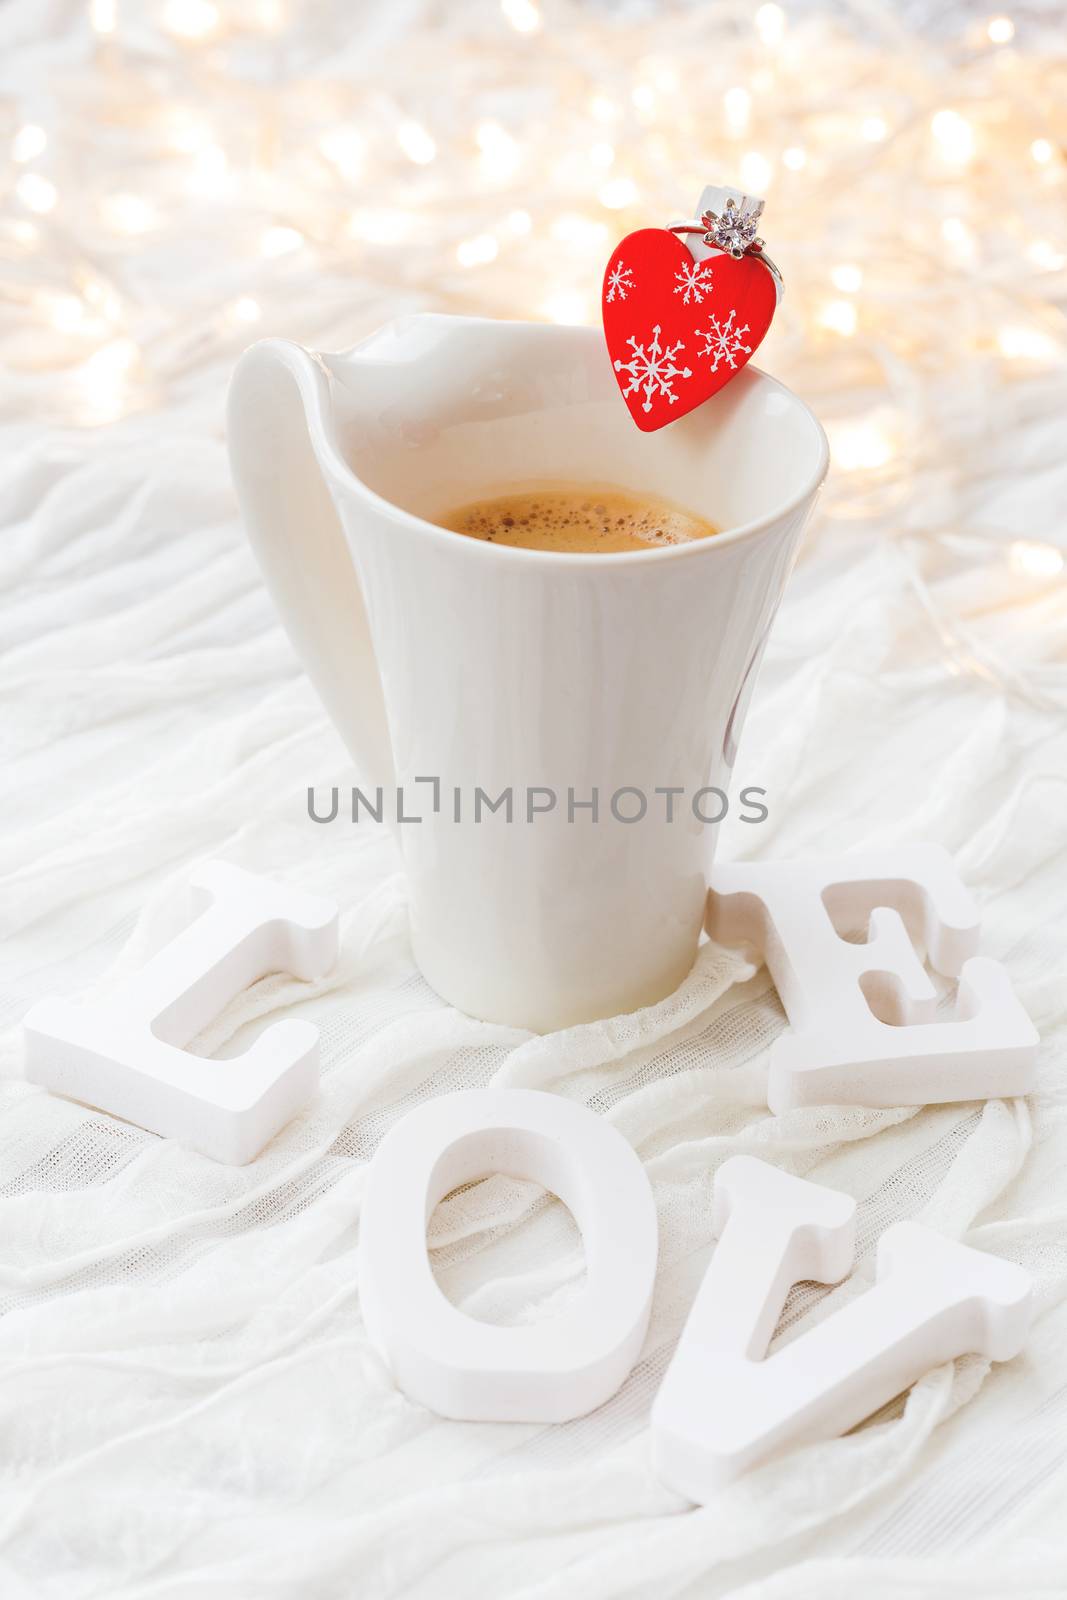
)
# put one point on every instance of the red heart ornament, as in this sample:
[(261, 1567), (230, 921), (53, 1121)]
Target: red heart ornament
[(679, 329)]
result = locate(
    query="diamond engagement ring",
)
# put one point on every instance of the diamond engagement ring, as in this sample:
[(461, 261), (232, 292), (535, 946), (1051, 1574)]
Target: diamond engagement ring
[(732, 230)]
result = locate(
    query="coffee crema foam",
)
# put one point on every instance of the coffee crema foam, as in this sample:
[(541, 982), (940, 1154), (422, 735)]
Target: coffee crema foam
[(578, 520)]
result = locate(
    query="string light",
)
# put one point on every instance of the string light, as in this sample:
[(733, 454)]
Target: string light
[(954, 136), (188, 134), (499, 153), (962, 246), (477, 251), (416, 143), (573, 229), (345, 148), (30, 141), (838, 316), (104, 380), (617, 193), (566, 306), (128, 213), (103, 15), (191, 19), (770, 23), (36, 192), (280, 240), (1033, 559), (859, 446), (1045, 255), (302, 161), (381, 225), (210, 171), (522, 14), (755, 172), (737, 108), (245, 309), (603, 109), (847, 277), (1020, 342)]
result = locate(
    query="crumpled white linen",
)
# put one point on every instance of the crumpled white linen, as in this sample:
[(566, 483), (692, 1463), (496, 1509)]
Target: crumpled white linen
[(188, 1404)]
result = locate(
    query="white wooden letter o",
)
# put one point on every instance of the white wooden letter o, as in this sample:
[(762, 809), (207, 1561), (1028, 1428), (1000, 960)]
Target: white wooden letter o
[(472, 1371)]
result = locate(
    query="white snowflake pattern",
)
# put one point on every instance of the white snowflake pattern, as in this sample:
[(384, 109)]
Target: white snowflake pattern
[(653, 371), (722, 341), (694, 281), (620, 280)]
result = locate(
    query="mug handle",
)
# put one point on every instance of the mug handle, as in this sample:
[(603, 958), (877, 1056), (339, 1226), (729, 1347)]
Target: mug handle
[(279, 415)]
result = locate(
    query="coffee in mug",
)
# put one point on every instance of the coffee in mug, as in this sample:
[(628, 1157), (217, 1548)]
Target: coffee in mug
[(577, 519)]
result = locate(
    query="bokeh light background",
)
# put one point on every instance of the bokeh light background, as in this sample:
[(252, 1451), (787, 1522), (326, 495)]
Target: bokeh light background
[(193, 173)]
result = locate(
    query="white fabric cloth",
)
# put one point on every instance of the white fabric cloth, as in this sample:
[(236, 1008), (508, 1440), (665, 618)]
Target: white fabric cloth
[(188, 1403)]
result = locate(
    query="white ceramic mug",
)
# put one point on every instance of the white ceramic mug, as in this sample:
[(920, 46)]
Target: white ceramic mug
[(495, 668)]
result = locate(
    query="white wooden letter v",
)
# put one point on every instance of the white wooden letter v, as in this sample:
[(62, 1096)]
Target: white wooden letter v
[(722, 1408)]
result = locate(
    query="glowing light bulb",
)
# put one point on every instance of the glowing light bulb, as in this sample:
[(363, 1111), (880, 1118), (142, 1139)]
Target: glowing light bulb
[(416, 143), (269, 15), (838, 316), (1041, 151), (344, 146), (1032, 559), (280, 240), (520, 222), (602, 154), (477, 251), (847, 277), (954, 136), (795, 157), (617, 193), (1020, 342), (381, 225), (522, 14), (188, 134), (737, 108), (566, 306), (127, 213), (67, 313), (245, 309), (1043, 253), (874, 129), (103, 15), (755, 171), (191, 19), (210, 172), (103, 380), (961, 242), (770, 23), (603, 108), (499, 153), (1001, 30), (859, 446), (644, 97), (29, 142), (574, 229), (36, 192)]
